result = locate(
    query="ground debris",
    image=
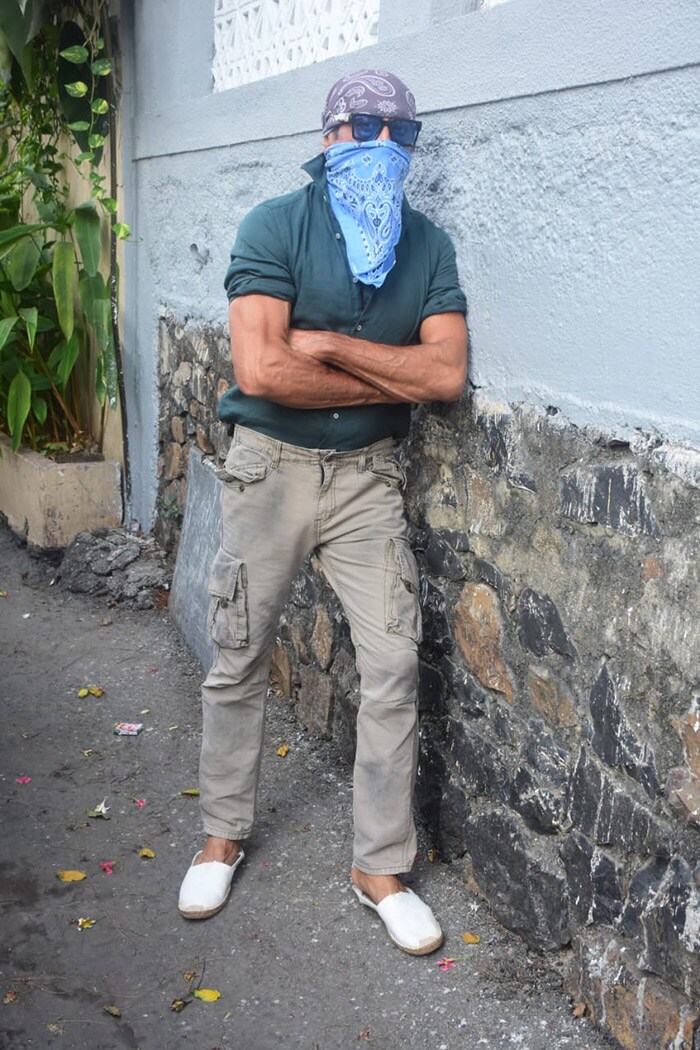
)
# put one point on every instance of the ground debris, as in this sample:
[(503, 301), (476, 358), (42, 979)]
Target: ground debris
[(130, 570)]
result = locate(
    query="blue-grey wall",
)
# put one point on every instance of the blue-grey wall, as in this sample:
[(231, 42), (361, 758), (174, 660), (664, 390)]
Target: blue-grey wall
[(560, 150)]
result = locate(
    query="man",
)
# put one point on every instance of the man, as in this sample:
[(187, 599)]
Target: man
[(345, 309)]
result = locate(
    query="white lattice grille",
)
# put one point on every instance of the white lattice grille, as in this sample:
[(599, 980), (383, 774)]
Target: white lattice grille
[(260, 38)]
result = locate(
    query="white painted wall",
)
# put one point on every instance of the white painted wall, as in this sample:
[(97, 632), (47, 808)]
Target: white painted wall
[(560, 150)]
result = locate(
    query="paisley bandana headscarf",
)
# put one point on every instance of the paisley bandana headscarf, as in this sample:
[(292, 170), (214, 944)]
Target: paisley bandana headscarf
[(369, 91), (365, 186), (365, 179)]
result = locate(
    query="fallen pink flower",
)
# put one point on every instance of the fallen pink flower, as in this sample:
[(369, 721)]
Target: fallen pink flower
[(140, 801), (23, 780), (108, 866), (266, 864), (446, 964)]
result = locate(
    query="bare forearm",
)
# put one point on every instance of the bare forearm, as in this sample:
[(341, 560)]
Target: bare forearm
[(297, 380), (416, 373)]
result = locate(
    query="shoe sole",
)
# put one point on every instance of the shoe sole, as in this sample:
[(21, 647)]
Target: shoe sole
[(425, 950), (205, 914)]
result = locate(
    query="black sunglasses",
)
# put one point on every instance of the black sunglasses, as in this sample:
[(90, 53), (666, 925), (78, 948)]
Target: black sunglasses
[(366, 126)]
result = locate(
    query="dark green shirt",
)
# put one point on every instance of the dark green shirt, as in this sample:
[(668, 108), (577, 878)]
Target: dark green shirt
[(291, 248)]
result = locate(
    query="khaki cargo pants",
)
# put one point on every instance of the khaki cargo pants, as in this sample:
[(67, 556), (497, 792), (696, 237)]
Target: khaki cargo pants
[(279, 503)]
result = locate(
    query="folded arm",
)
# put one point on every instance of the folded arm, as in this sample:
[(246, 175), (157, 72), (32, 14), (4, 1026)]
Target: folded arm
[(268, 363), (433, 370)]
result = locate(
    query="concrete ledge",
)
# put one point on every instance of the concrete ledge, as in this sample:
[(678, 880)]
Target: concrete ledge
[(49, 503)]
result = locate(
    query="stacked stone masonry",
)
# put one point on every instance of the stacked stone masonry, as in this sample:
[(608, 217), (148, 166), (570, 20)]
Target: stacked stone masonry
[(559, 679)]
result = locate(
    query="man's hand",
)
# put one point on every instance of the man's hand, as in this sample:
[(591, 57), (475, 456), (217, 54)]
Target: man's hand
[(266, 364), (433, 370)]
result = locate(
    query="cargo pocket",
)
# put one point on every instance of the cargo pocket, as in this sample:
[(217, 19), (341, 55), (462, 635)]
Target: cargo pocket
[(228, 608), (402, 602), (244, 464)]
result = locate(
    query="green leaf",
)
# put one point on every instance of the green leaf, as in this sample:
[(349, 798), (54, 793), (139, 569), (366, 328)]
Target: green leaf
[(80, 125), (84, 156), (19, 399), (22, 263), (109, 204), (87, 231), (63, 279), (39, 409), (6, 326), (76, 54), (71, 350), (99, 105), (122, 230), (78, 89), (30, 316), (95, 141), (99, 44), (102, 67), (16, 233), (96, 305)]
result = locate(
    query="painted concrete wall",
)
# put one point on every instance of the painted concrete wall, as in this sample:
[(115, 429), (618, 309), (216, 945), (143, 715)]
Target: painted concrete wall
[(560, 151)]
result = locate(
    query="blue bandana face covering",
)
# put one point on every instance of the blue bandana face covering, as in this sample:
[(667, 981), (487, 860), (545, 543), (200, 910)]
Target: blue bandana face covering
[(365, 187)]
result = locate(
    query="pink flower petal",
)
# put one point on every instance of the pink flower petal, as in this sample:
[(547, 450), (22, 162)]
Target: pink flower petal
[(140, 801), (23, 780), (107, 866)]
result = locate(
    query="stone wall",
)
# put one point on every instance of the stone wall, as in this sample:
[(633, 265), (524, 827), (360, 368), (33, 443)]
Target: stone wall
[(194, 371), (560, 693)]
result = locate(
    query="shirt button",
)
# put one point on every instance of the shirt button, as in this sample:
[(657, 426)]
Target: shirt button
[(359, 328), (337, 236), (336, 416), (355, 280)]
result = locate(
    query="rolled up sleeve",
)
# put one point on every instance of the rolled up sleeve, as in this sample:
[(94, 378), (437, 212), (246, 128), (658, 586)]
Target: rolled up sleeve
[(444, 293), (258, 259)]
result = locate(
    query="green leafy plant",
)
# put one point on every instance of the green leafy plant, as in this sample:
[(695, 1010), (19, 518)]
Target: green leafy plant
[(59, 347)]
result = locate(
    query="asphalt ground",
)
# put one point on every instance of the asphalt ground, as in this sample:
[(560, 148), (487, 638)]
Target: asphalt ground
[(296, 960)]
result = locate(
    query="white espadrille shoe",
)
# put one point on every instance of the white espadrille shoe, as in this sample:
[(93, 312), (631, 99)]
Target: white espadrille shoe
[(409, 921), (205, 887)]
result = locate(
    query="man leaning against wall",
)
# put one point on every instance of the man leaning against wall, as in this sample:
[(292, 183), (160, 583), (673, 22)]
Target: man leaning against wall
[(345, 309)]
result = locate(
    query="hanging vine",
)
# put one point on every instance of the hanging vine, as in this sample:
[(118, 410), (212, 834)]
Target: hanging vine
[(60, 361)]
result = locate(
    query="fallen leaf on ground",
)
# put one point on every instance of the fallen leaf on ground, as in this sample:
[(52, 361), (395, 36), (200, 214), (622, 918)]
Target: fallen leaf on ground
[(85, 924), (189, 975), (10, 996), (579, 1010), (177, 1005), (96, 690), (113, 1011), (432, 855), (3, 594), (446, 964), (55, 1029), (282, 751), (88, 751), (71, 876), (100, 810), (365, 1035), (105, 621), (139, 801), (23, 780), (146, 853), (190, 791), (208, 995), (83, 692), (108, 866), (471, 938)]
